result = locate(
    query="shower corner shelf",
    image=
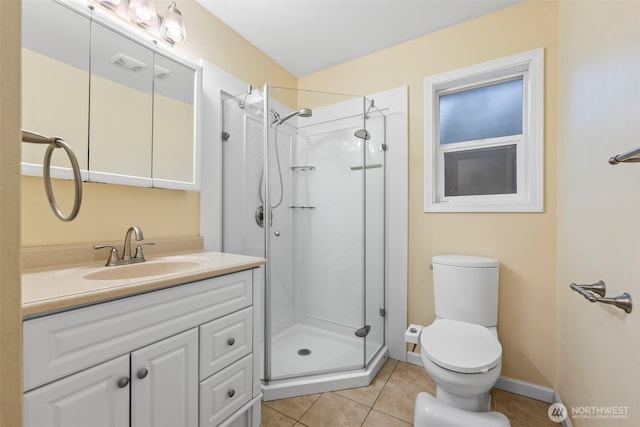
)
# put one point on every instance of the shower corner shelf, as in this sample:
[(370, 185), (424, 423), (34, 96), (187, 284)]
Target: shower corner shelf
[(302, 168), (302, 207)]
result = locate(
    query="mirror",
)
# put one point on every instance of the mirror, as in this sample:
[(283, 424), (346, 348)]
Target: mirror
[(173, 122), (55, 81), (127, 110), (121, 106)]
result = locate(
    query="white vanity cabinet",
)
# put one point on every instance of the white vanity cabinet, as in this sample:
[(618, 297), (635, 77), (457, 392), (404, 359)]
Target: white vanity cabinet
[(180, 356), (155, 386)]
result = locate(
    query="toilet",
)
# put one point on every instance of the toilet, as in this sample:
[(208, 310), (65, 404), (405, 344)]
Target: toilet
[(460, 350)]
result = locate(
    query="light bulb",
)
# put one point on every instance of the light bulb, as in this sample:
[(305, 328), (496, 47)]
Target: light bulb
[(143, 13), (172, 28)]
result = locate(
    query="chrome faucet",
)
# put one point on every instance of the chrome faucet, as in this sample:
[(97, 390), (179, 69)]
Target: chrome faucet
[(126, 251), (114, 259)]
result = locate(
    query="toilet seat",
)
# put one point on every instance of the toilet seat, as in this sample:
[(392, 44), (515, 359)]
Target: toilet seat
[(460, 346)]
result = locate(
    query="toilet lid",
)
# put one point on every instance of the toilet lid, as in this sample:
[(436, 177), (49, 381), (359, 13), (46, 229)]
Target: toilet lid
[(461, 346)]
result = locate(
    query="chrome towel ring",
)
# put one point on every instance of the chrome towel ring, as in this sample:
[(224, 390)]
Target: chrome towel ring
[(53, 143)]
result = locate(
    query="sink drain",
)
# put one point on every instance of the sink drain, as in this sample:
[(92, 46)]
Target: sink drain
[(304, 352)]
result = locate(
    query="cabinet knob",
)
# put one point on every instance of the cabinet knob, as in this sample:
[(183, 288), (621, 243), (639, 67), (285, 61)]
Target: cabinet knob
[(123, 382), (142, 373), (231, 341), (231, 393)]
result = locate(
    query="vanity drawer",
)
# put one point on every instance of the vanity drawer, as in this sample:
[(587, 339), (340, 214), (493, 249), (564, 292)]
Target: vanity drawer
[(60, 344), (225, 340), (225, 392)]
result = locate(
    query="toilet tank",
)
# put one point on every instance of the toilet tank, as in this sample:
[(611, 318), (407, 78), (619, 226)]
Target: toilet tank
[(465, 288)]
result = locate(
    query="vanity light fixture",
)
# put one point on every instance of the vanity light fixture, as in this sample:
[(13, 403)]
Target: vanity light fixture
[(172, 28), (142, 13)]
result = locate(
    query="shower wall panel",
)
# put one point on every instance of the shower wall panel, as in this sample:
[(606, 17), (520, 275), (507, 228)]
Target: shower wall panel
[(282, 287), (328, 246)]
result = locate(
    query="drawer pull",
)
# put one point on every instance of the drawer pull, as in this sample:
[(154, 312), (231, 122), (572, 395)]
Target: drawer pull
[(231, 341), (123, 382), (231, 393), (142, 373)]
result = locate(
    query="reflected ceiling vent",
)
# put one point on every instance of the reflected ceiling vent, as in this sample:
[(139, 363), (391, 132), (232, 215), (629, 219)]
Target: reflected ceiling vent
[(160, 73), (127, 62)]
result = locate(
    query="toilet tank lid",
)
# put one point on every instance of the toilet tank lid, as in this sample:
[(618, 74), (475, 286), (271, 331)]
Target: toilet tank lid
[(465, 261)]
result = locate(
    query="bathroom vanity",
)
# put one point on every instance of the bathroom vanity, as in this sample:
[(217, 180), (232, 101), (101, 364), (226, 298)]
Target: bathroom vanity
[(179, 347)]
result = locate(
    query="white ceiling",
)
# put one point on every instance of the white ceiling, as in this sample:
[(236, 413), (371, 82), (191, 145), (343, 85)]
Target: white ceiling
[(305, 36)]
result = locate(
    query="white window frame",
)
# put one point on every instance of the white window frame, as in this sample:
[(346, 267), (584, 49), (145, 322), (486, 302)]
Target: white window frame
[(529, 145)]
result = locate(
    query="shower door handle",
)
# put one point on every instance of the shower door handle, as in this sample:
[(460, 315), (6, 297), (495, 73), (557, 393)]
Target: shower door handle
[(259, 216), (363, 332)]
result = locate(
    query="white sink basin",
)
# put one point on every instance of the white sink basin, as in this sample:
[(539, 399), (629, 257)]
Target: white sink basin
[(145, 269)]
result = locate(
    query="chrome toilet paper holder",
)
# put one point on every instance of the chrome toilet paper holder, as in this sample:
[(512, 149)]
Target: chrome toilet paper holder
[(599, 288)]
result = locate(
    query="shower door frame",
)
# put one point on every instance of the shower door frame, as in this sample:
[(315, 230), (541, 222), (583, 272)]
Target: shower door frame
[(267, 306)]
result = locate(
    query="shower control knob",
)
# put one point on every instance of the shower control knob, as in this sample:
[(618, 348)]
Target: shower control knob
[(276, 233), (231, 341)]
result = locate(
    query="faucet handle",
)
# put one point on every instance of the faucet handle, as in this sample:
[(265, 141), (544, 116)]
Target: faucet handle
[(139, 255), (113, 254)]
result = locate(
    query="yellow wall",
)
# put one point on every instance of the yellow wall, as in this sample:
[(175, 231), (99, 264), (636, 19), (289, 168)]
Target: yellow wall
[(10, 311), (108, 210), (598, 206), (524, 243)]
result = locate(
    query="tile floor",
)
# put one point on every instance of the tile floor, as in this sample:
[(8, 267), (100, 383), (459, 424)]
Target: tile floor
[(387, 402)]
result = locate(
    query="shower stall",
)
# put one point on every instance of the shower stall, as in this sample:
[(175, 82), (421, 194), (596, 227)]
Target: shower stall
[(304, 187)]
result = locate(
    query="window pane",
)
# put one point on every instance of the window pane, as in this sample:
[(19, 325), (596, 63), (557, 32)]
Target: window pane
[(484, 112), (481, 171)]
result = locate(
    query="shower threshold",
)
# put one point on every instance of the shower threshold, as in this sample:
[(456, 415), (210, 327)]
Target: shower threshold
[(299, 386)]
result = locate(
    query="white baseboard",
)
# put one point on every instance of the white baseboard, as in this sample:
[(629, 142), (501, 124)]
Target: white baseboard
[(522, 388), (556, 399), (414, 358)]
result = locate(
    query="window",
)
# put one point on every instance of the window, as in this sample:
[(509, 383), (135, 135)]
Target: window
[(484, 137)]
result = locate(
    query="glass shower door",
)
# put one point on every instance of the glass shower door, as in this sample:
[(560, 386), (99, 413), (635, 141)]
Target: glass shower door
[(374, 199), (318, 300)]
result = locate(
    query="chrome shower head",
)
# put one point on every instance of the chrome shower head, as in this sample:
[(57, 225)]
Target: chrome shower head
[(303, 112)]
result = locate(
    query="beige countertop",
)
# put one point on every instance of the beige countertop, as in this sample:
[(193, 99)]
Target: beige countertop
[(55, 290)]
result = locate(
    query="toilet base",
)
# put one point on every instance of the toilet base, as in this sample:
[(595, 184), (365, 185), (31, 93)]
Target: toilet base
[(430, 411), (477, 403)]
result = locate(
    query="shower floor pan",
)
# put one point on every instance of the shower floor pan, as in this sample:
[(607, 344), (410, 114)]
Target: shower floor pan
[(307, 359)]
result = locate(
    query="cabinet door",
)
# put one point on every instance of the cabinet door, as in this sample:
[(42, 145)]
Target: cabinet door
[(120, 105), (97, 397), (55, 82), (174, 148), (164, 378)]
